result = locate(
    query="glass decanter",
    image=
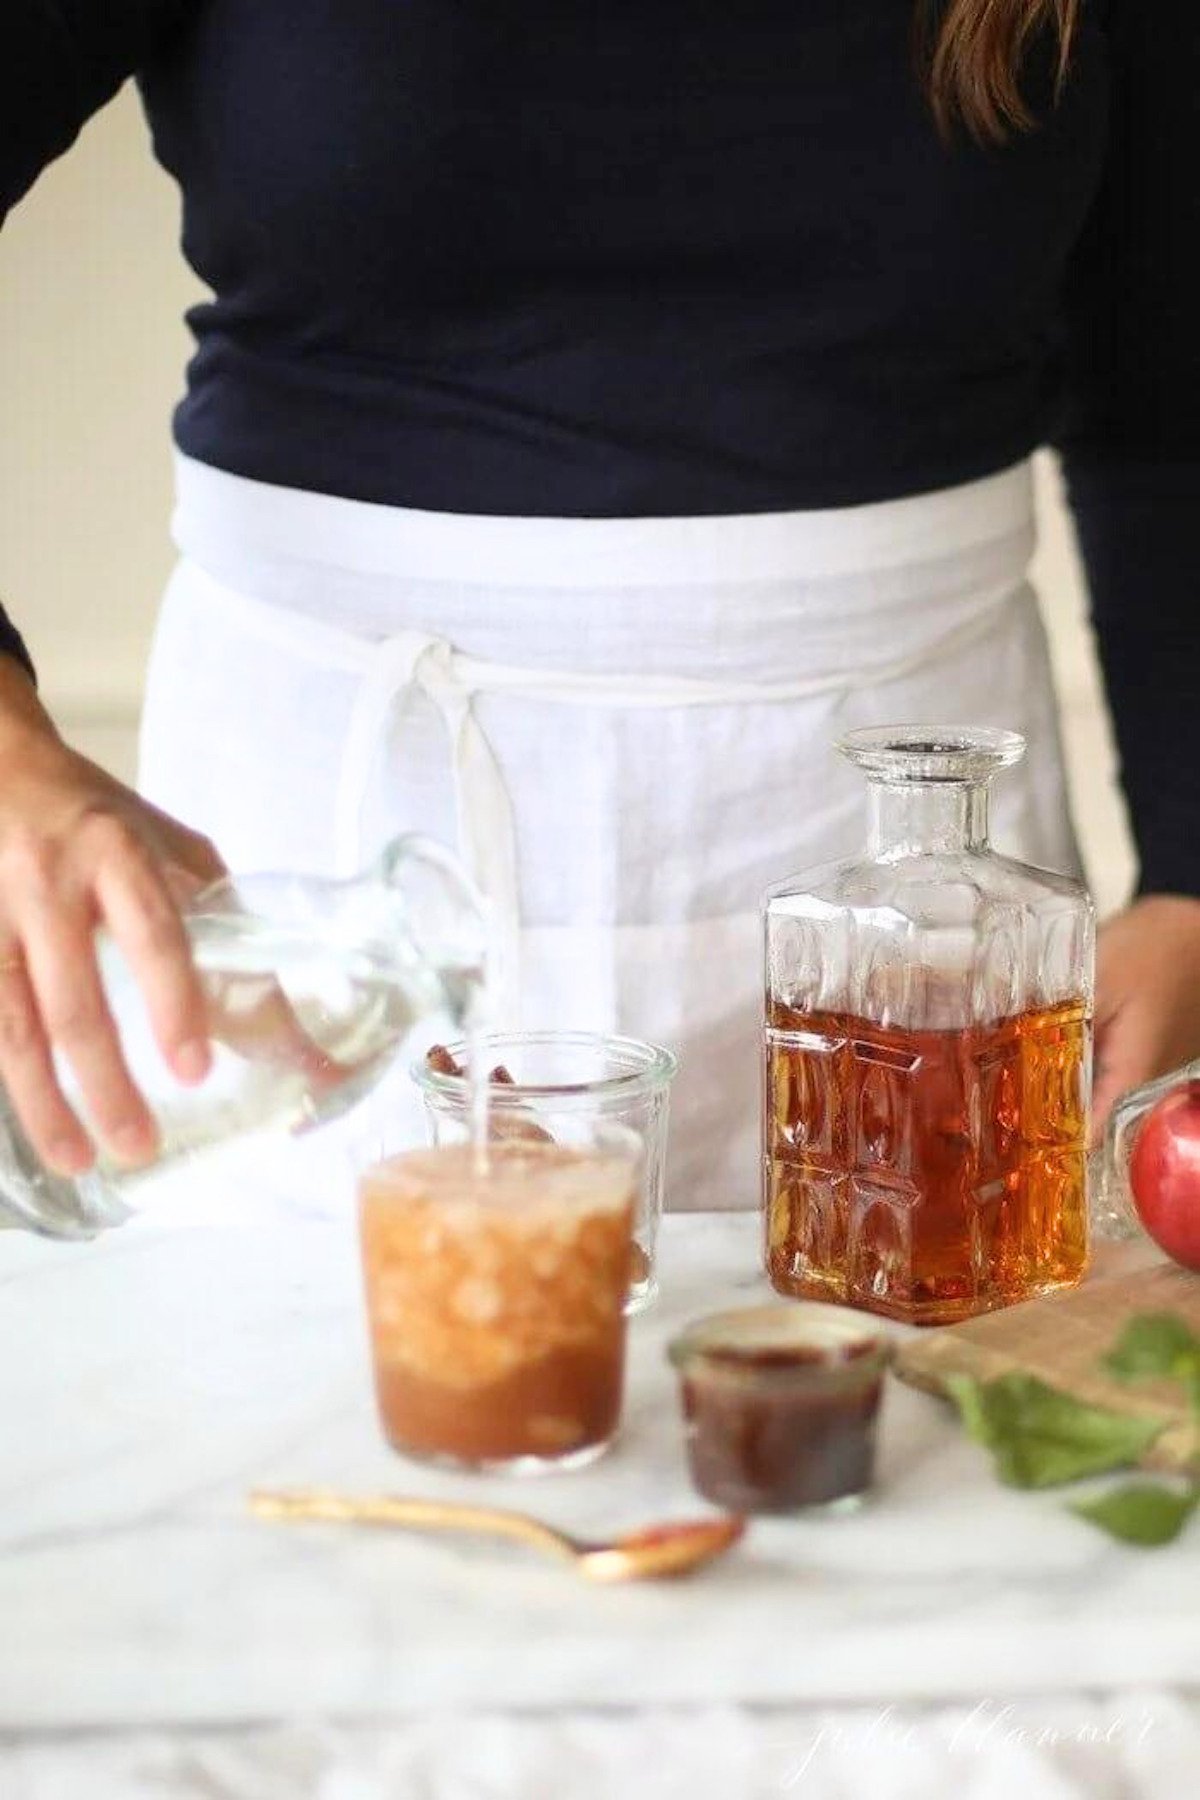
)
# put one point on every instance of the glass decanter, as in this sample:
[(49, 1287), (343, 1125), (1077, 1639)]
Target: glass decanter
[(312, 986), (927, 1051)]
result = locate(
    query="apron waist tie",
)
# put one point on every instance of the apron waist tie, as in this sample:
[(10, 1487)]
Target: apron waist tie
[(390, 669)]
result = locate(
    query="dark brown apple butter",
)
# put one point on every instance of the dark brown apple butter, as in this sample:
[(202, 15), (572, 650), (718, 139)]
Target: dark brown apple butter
[(780, 1406)]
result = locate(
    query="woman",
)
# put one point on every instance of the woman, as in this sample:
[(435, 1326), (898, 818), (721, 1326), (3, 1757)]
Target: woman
[(629, 398)]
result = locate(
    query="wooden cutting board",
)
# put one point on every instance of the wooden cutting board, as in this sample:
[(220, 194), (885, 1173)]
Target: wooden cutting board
[(1062, 1338)]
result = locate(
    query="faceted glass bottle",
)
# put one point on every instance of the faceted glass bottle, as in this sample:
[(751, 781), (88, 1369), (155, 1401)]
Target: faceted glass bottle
[(927, 1052)]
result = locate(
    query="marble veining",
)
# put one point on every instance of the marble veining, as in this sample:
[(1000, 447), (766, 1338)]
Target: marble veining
[(148, 1380)]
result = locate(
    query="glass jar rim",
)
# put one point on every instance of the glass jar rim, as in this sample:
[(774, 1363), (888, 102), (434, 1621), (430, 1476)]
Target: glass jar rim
[(652, 1068), (841, 1343), (932, 753)]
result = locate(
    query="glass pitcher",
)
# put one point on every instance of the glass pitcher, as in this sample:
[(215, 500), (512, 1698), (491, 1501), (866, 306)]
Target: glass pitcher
[(927, 1052), (312, 986)]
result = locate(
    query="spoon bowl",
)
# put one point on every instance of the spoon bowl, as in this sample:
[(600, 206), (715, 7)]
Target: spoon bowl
[(658, 1551)]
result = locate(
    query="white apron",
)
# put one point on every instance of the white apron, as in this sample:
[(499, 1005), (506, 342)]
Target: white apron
[(626, 725)]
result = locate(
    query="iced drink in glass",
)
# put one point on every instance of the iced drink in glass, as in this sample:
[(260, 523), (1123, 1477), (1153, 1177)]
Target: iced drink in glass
[(496, 1285)]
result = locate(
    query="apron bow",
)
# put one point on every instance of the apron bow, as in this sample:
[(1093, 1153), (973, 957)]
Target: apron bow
[(412, 661)]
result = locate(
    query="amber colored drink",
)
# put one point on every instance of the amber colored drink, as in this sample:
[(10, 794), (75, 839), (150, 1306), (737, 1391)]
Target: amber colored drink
[(925, 1175), (496, 1286)]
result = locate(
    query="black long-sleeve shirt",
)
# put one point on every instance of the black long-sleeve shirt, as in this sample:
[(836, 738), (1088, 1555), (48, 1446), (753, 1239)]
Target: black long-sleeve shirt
[(637, 257)]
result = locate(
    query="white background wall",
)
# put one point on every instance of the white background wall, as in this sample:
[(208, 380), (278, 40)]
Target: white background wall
[(92, 346)]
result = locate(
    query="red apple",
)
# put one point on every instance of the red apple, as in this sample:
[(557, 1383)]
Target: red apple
[(1164, 1174)]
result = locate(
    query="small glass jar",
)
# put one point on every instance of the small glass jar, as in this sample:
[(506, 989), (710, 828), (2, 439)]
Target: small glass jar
[(562, 1084), (496, 1283), (780, 1405), (927, 1052)]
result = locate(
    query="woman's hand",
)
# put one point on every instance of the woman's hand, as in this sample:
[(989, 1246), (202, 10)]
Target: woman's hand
[(1147, 996), (77, 850)]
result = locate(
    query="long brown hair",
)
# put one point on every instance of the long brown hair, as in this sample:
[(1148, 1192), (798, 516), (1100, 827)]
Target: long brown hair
[(974, 52)]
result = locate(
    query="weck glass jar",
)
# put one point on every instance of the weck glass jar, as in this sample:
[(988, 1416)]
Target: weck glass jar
[(927, 1051), (558, 1085)]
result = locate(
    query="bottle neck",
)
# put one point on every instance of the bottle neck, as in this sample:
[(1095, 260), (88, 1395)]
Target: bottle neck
[(915, 818)]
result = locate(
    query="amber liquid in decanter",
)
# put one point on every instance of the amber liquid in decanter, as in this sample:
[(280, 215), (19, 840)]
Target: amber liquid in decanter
[(926, 1174)]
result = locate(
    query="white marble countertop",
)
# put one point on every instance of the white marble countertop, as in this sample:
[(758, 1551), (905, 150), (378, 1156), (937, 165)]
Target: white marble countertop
[(149, 1380)]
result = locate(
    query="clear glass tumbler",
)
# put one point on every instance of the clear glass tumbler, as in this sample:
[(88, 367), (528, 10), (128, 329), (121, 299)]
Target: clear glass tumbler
[(563, 1083), (496, 1282), (1113, 1212)]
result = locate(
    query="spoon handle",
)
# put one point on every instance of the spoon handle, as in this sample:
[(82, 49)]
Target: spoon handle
[(418, 1515)]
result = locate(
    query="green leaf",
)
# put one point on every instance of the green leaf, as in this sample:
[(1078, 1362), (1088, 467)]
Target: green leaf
[(1157, 1344), (968, 1396), (1141, 1514), (1040, 1437)]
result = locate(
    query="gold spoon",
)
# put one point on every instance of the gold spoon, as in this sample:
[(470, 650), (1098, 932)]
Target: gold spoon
[(660, 1550)]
